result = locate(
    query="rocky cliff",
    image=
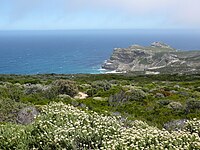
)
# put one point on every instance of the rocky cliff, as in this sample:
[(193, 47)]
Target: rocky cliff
[(154, 59)]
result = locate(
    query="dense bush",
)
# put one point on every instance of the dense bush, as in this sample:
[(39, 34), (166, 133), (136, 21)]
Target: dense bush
[(175, 106), (136, 94), (192, 105), (91, 92), (41, 91), (11, 91), (104, 85), (118, 98), (164, 102), (98, 86), (33, 88), (66, 87), (50, 93), (125, 96), (9, 109)]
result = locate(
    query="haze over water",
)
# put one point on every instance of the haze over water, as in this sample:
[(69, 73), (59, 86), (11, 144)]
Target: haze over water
[(78, 51)]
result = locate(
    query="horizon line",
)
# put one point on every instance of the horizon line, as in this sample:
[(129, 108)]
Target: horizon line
[(195, 29)]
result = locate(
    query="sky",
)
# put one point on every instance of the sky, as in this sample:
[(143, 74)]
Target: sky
[(99, 14)]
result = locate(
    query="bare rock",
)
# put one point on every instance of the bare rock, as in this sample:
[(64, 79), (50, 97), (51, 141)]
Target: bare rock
[(175, 125), (26, 115)]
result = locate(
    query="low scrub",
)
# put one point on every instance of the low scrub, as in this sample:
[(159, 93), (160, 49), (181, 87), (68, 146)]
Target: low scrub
[(61, 126)]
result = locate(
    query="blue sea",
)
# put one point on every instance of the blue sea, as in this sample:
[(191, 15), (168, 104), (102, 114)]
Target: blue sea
[(78, 51)]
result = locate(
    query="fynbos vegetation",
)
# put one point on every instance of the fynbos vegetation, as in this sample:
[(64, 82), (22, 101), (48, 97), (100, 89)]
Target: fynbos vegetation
[(121, 112)]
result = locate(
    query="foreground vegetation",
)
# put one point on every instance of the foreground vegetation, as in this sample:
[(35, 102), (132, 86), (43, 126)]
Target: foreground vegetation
[(122, 111), (64, 126)]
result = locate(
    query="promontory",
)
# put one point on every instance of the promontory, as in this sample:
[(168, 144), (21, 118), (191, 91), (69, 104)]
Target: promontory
[(154, 59)]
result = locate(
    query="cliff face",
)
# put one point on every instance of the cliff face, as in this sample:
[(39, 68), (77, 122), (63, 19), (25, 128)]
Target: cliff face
[(154, 59)]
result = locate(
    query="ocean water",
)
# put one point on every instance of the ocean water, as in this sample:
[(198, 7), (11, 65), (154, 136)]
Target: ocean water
[(78, 51)]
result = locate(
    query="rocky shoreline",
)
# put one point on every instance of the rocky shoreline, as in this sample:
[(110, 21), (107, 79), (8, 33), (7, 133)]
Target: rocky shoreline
[(154, 59)]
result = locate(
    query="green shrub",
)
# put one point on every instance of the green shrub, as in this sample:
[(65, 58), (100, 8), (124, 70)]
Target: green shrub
[(175, 106), (192, 105), (84, 87), (50, 93), (11, 91), (125, 96), (91, 92), (35, 99), (9, 109), (33, 89), (118, 98), (98, 85), (164, 102), (109, 92), (66, 87), (136, 94)]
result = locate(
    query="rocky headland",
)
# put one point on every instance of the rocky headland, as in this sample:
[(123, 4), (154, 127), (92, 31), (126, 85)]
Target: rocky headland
[(154, 59)]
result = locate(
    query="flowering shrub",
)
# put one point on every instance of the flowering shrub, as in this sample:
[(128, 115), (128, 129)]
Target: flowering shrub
[(14, 137), (193, 126), (61, 126), (64, 126)]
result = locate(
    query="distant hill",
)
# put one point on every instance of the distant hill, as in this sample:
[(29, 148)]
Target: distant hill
[(154, 59)]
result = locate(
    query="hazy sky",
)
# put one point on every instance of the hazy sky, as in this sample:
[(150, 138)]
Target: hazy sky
[(99, 14)]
